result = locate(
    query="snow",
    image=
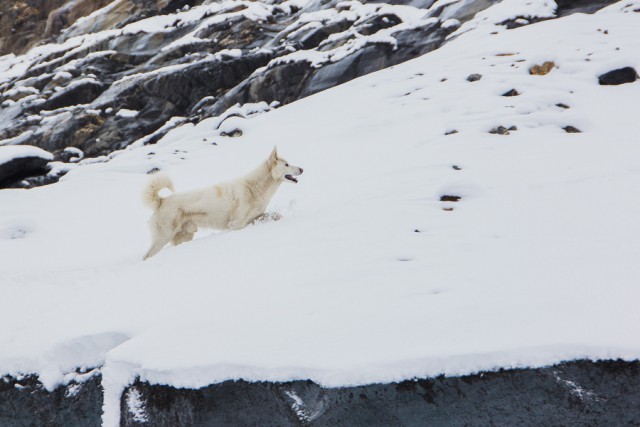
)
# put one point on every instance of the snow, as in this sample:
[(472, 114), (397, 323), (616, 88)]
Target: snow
[(19, 139), (135, 406), (10, 152), (123, 112), (20, 90), (367, 278)]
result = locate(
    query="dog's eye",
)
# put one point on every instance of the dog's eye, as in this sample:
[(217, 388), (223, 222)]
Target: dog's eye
[(286, 164)]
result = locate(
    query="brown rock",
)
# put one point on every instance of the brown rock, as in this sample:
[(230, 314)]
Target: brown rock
[(542, 70), (571, 129)]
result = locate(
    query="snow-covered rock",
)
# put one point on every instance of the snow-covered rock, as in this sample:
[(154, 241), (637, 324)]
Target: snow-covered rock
[(21, 161)]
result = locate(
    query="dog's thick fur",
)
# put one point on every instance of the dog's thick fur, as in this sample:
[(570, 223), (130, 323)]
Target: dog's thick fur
[(230, 205)]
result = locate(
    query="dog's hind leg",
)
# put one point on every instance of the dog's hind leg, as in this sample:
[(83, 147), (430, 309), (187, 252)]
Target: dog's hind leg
[(181, 237), (185, 234), (159, 240)]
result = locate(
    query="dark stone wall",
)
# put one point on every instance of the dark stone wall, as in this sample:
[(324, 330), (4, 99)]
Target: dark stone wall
[(25, 402), (579, 393)]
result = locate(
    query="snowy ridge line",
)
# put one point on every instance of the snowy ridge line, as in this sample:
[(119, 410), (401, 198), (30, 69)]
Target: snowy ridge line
[(196, 377)]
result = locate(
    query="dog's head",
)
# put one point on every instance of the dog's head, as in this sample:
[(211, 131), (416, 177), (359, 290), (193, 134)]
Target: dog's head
[(281, 170)]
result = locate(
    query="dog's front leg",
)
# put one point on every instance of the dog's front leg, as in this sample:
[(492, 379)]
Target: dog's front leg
[(237, 225), (239, 219)]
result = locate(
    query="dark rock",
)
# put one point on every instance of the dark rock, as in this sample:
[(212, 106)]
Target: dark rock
[(449, 198), (618, 77), (82, 92), (26, 403), (569, 7), (474, 77), (232, 134), (511, 92), (39, 180), (17, 169), (500, 130), (561, 105), (571, 129), (575, 393), (378, 22), (564, 8), (200, 80), (451, 132), (70, 155), (314, 37), (521, 21), (456, 167)]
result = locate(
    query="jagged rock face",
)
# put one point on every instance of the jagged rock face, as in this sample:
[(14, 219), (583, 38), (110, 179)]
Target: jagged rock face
[(195, 64), (285, 82)]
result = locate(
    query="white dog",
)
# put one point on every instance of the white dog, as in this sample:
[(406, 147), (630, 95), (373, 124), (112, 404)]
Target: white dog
[(230, 205)]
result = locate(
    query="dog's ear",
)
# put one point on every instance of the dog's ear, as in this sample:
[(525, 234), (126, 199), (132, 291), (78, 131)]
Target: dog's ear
[(274, 154)]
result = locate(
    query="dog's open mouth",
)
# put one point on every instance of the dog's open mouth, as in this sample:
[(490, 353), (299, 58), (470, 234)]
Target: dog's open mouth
[(291, 178)]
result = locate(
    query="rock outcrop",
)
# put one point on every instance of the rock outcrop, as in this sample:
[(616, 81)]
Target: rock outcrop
[(575, 393), (19, 162)]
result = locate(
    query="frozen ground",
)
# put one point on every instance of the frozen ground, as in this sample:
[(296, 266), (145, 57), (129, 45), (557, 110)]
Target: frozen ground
[(369, 277)]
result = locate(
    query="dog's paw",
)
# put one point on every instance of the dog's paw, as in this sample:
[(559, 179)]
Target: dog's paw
[(267, 217)]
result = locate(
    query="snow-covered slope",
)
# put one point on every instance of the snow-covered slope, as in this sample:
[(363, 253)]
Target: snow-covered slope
[(369, 276)]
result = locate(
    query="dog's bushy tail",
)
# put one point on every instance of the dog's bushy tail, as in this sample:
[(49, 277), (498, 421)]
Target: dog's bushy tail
[(150, 196)]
